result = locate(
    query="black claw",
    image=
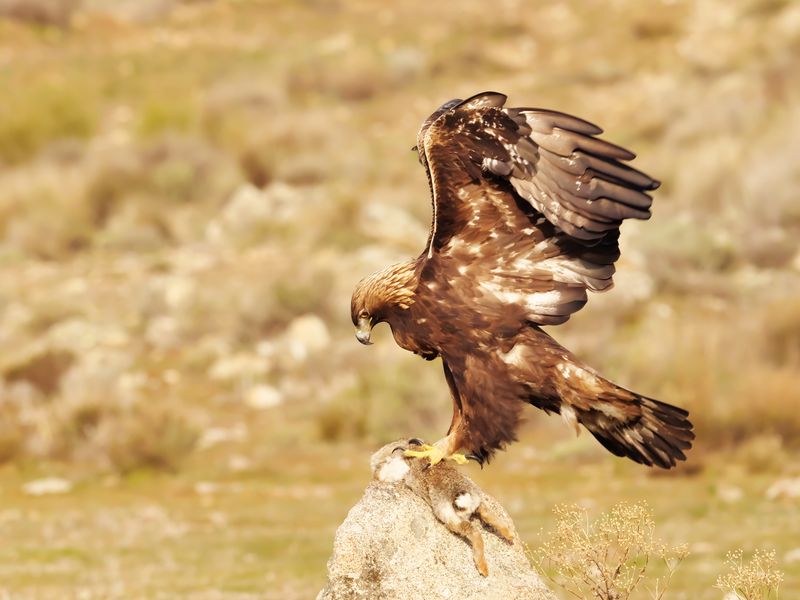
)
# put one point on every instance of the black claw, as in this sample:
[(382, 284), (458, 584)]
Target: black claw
[(478, 459), (415, 442)]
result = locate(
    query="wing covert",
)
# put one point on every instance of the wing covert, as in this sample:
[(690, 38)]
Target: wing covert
[(527, 203)]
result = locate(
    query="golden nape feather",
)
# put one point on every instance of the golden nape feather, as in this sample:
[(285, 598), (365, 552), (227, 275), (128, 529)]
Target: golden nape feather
[(390, 286), (527, 207)]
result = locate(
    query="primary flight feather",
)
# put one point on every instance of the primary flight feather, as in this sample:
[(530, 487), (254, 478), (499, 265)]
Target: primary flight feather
[(527, 206)]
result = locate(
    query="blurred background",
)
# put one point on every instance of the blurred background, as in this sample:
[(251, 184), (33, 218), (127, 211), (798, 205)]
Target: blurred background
[(189, 191)]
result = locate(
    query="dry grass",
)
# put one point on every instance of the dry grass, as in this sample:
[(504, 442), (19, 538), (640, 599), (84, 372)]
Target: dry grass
[(607, 559), (262, 525), (121, 439), (251, 175), (57, 13), (757, 579), (189, 189)]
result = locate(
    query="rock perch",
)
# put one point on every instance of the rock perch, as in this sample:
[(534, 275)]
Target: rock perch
[(393, 546)]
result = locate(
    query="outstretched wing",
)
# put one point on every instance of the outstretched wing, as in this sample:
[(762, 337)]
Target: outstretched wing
[(527, 204)]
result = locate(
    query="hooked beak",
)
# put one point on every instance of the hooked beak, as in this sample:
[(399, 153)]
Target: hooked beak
[(363, 331)]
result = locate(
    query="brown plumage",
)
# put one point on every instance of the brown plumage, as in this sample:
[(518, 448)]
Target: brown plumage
[(527, 205)]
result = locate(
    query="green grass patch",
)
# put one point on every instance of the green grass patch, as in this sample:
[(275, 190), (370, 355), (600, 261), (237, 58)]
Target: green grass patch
[(33, 116)]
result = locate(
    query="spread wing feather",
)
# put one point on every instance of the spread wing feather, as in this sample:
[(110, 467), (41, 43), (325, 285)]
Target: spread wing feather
[(527, 204)]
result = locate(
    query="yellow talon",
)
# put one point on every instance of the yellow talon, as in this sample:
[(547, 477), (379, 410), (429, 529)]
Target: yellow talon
[(458, 458), (436, 455), (432, 453)]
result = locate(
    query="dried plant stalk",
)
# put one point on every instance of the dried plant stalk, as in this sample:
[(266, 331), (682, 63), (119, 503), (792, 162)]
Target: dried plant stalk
[(606, 559)]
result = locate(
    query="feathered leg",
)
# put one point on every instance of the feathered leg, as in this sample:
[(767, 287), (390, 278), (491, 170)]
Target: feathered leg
[(448, 447)]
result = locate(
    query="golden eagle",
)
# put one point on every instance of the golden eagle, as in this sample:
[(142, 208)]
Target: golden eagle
[(527, 206)]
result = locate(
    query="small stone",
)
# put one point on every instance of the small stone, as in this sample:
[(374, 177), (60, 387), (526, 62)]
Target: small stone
[(237, 367), (390, 224), (80, 336), (406, 62), (250, 208), (792, 556), (179, 292), (16, 316), (247, 207), (46, 486), (238, 463), (796, 262), (784, 488), (219, 435), (730, 494), (163, 332), (263, 396), (266, 349), (206, 488), (702, 548), (306, 335)]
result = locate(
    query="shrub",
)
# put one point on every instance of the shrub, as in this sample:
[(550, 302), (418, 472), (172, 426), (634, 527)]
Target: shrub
[(758, 579), (343, 418), (108, 435), (782, 332), (606, 559), (154, 438), (43, 370), (165, 114), (40, 114), (11, 437), (763, 402), (386, 403), (57, 13)]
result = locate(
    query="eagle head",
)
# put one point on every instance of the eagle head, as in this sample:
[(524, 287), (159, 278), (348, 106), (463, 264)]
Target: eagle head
[(420, 147), (380, 296)]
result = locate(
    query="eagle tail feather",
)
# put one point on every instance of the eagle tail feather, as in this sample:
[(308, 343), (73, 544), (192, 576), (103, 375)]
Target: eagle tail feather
[(657, 436)]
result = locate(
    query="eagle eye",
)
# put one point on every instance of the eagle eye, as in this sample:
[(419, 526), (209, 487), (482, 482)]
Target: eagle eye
[(363, 315)]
